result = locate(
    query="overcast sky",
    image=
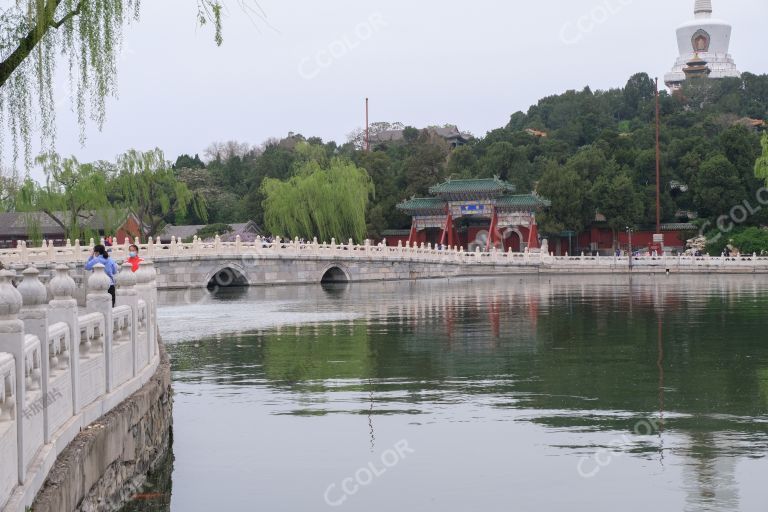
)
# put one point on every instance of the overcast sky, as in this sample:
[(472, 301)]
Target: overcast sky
[(309, 67)]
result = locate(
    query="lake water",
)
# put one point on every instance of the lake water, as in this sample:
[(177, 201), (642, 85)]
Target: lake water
[(509, 394)]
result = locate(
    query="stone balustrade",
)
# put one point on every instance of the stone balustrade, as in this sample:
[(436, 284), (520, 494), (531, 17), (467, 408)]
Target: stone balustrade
[(423, 253), (63, 366)]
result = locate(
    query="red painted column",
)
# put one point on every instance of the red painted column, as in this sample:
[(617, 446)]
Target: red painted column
[(492, 231), (447, 229), (412, 235), (533, 234)]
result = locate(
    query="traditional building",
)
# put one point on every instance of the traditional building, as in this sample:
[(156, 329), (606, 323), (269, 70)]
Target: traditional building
[(703, 43), (476, 213), (15, 226)]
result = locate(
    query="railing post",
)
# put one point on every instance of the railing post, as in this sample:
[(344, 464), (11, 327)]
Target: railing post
[(34, 314), (12, 341), (144, 276), (152, 313), (127, 295), (99, 300), (63, 308)]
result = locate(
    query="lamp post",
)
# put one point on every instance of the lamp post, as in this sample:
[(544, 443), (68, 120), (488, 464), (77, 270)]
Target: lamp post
[(629, 233)]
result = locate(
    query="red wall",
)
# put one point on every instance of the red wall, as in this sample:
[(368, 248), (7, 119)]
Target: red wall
[(604, 239), (130, 229)]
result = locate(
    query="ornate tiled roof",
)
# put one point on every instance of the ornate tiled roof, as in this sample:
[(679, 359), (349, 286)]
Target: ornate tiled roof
[(436, 204), (490, 187), (522, 201), (422, 204)]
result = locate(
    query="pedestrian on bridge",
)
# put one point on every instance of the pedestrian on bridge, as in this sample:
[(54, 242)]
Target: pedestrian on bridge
[(133, 257), (100, 255)]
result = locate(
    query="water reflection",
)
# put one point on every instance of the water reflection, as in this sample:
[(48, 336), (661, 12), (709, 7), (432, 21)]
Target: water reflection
[(478, 373)]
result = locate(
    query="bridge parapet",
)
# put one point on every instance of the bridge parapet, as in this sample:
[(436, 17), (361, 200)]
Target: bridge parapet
[(63, 366), (374, 261)]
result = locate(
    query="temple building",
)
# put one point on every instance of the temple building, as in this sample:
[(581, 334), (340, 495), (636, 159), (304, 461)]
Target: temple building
[(475, 213), (703, 43)]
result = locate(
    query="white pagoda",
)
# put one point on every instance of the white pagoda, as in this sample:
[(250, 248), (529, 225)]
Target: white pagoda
[(703, 44)]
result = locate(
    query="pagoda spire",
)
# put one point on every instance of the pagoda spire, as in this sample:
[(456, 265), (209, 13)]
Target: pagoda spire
[(703, 9)]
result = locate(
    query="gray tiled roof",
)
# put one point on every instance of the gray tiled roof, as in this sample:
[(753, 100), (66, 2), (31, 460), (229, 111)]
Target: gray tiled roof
[(185, 232), (15, 224)]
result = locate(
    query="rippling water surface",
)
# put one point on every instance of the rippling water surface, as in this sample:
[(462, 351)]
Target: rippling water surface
[(563, 393)]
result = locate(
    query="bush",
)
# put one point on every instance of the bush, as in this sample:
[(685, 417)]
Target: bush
[(747, 240), (751, 241)]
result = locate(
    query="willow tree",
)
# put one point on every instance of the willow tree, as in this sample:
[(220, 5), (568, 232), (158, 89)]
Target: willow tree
[(71, 194), (9, 189), (146, 184), (761, 166), (324, 201), (87, 34)]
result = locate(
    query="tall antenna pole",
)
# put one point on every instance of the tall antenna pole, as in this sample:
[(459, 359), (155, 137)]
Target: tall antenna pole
[(658, 162), (367, 132)]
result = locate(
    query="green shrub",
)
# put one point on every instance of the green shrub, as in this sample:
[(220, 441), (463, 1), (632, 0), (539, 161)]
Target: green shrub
[(751, 241)]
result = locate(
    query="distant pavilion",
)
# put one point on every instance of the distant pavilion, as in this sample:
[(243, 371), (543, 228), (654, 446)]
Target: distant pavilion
[(475, 213)]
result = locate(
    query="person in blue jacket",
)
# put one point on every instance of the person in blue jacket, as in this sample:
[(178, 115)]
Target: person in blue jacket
[(100, 255)]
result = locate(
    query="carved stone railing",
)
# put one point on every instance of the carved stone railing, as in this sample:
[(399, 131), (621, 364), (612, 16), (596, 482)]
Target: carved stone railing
[(63, 366), (93, 371), (295, 249), (122, 345), (9, 471)]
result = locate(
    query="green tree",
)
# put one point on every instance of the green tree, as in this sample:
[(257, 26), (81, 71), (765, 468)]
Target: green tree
[(639, 90), (382, 213), (620, 202), (571, 207), (761, 166), (9, 190), (462, 163), (327, 202), (509, 163), (425, 164), (187, 162), (147, 185), (751, 241), (71, 193), (717, 187)]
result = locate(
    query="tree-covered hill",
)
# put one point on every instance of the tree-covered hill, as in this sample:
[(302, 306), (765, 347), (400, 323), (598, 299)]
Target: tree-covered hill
[(588, 151)]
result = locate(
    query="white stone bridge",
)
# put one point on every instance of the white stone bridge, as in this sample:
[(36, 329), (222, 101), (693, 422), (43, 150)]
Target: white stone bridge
[(200, 264)]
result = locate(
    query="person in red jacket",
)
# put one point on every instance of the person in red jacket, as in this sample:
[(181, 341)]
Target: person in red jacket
[(133, 257)]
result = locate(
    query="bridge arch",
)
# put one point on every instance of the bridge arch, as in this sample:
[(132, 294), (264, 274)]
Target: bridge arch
[(228, 275), (334, 273)]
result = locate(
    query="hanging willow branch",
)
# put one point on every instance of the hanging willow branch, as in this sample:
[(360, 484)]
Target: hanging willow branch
[(87, 34), (146, 184), (327, 202)]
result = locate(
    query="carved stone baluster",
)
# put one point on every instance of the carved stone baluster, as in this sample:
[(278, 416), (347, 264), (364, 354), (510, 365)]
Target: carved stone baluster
[(127, 295), (34, 314), (12, 341), (100, 301)]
